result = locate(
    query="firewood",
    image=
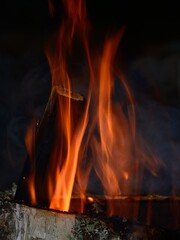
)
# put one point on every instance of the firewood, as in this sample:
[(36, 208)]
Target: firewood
[(45, 135), (19, 222)]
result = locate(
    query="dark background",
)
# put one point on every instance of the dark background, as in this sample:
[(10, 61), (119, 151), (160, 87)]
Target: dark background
[(151, 58), (150, 29)]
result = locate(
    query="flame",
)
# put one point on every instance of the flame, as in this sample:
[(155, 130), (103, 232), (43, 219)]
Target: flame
[(66, 163), (66, 168), (103, 126), (29, 142), (111, 134)]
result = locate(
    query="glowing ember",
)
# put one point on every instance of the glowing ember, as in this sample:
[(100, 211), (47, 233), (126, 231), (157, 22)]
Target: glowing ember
[(90, 199)]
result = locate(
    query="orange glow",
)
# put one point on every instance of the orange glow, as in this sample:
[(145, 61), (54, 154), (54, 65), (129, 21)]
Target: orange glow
[(62, 179), (90, 199), (65, 175), (126, 175), (118, 155)]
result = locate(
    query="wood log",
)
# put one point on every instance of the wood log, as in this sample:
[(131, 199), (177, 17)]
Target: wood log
[(46, 135), (19, 222), (32, 223)]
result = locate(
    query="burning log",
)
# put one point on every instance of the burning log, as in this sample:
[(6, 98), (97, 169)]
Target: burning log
[(35, 221), (23, 222), (39, 170)]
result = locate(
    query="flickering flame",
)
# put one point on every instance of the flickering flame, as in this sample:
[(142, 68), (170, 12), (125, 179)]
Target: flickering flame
[(109, 133), (29, 142), (65, 174)]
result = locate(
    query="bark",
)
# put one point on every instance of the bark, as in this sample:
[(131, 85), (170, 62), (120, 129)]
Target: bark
[(19, 222)]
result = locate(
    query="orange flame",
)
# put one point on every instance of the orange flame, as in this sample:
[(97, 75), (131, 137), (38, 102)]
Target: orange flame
[(65, 175), (66, 168), (29, 142), (111, 134)]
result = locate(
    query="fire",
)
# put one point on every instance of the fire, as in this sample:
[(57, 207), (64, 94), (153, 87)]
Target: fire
[(113, 128), (67, 164), (29, 142), (103, 126)]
